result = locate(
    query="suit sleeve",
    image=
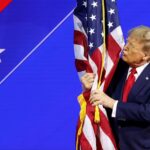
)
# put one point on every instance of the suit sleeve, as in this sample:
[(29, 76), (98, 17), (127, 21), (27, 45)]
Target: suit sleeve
[(133, 111)]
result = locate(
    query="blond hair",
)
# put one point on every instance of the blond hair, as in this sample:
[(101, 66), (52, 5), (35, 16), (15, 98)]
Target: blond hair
[(142, 34)]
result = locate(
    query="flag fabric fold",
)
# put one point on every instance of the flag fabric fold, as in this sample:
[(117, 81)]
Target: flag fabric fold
[(98, 41)]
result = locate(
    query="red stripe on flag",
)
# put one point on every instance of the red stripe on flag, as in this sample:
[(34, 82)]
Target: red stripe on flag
[(113, 51), (110, 75), (83, 65), (113, 48), (80, 39), (97, 58), (98, 144), (90, 112), (104, 123), (4, 4), (84, 144)]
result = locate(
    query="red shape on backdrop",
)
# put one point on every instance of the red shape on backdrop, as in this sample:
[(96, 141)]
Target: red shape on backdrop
[(4, 4)]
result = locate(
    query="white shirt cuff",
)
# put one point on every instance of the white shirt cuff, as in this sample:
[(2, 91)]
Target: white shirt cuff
[(114, 110)]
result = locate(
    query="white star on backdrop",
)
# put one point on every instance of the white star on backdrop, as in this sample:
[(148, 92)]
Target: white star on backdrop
[(1, 51)]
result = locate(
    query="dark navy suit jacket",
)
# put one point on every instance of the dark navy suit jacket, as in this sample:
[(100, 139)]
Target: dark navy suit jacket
[(132, 123)]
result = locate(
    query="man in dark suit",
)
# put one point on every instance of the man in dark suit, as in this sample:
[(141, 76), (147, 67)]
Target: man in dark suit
[(129, 93)]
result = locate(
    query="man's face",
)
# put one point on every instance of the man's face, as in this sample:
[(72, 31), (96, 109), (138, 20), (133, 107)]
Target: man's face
[(133, 53)]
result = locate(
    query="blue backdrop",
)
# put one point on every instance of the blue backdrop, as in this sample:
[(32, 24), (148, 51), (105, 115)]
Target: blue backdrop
[(39, 83)]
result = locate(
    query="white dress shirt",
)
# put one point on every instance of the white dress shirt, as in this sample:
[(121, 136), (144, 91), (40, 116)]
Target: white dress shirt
[(139, 71)]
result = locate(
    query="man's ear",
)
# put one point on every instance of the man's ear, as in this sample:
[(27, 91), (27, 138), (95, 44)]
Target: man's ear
[(146, 58)]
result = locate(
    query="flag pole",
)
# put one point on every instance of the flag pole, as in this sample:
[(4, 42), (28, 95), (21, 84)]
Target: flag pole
[(97, 114)]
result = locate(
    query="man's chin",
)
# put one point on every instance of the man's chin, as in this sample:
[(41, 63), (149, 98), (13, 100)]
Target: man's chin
[(124, 58)]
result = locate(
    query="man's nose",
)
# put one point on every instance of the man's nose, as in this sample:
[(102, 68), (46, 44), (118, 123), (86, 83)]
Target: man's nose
[(125, 46)]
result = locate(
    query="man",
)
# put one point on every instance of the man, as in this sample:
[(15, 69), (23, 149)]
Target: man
[(130, 93)]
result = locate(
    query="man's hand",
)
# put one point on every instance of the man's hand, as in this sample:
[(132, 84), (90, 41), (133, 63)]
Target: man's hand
[(98, 97), (87, 80)]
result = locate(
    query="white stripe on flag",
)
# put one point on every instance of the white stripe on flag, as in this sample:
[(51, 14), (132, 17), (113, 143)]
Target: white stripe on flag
[(81, 73), (117, 34), (101, 48), (94, 68), (79, 52), (103, 110), (78, 25), (108, 64), (95, 83), (105, 141), (89, 133)]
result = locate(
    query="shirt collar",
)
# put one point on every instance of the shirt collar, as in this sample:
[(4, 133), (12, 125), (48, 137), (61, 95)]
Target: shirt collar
[(140, 69)]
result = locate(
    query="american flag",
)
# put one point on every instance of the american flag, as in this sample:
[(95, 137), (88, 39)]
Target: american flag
[(98, 41)]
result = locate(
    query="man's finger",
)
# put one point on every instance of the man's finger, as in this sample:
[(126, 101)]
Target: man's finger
[(95, 92), (96, 103), (93, 98), (91, 75), (91, 80)]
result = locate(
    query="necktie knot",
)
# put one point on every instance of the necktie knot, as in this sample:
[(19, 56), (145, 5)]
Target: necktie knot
[(133, 71)]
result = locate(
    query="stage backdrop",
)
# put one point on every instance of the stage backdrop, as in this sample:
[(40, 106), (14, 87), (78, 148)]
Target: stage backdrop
[(38, 80)]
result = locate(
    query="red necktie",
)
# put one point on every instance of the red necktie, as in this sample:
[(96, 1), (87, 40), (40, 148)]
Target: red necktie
[(128, 85)]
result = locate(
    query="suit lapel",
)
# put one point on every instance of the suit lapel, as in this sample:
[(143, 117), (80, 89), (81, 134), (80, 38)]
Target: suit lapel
[(123, 82), (122, 78), (141, 81)]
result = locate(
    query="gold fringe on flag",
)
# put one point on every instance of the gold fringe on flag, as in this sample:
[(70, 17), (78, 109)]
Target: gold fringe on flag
[(97, 115), (83, 104)]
